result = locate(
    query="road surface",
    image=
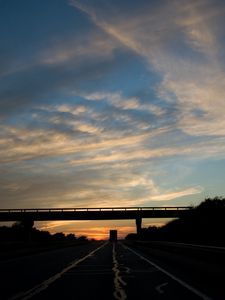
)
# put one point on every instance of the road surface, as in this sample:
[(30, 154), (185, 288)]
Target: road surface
[(104, 271)]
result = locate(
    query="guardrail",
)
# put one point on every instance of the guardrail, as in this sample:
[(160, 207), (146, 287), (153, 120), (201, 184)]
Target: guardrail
[(93, 209)]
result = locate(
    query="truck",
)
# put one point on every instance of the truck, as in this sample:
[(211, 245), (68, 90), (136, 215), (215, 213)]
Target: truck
[(113, 235)]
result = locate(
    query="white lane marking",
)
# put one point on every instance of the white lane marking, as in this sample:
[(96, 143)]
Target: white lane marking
[(159, 288), (184, 284), (192, 245), (119, 292), (45, 284)]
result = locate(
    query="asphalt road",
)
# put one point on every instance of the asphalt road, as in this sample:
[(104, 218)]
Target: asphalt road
[(101, 271)]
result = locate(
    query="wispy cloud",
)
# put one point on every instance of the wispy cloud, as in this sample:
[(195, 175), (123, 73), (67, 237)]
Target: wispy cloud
[(133, 103), (194, 85), (177, 194)]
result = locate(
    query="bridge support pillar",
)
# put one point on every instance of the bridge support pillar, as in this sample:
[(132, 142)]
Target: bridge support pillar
[(138, 224)]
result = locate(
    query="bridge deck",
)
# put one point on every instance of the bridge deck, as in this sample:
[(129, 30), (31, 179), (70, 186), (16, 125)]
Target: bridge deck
[(103, 213)]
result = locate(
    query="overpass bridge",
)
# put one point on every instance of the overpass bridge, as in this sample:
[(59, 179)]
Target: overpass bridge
[(100, 213)]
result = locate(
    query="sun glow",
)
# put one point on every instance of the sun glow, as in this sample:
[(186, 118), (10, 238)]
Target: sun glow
[(98, 230)]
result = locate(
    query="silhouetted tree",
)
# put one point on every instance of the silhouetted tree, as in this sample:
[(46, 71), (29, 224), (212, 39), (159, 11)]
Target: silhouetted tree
[(205, 224), (59, 236), (71, 237), (131, 236), (82, 238)]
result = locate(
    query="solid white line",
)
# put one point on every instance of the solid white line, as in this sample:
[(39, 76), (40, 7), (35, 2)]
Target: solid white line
[(192, 245), (184, 284), (45, 284)]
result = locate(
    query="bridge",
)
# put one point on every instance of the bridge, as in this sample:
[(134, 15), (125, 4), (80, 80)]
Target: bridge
[(104, 213)]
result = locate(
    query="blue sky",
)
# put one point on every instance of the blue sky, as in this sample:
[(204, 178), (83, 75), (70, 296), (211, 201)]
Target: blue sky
[(110, 103)]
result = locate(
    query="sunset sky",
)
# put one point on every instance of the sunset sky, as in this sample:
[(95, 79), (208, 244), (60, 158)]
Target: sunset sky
[(111, 103)]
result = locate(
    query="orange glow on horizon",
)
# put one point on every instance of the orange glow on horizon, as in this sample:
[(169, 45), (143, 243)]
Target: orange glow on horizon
[(98, 230)]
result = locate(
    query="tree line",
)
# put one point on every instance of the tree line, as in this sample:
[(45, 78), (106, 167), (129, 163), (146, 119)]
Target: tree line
[(24, 231), (205, 224)]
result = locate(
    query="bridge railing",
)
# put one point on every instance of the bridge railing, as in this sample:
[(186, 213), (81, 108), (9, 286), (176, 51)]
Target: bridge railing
[(81, 209)]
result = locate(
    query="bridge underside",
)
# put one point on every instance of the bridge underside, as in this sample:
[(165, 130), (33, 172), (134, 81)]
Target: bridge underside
[(90, 215)]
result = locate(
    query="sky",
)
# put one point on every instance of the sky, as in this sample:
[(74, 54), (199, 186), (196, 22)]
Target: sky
[(111, 103)]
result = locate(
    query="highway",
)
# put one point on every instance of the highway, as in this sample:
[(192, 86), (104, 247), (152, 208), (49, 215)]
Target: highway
[(122, 270)]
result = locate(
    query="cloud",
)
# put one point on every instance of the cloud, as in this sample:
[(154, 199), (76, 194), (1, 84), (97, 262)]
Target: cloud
[(201, 103), (118, 101), (23, 143), (92, 144), (57, 68), (195, 83), (197, 22), (93, 45), (177, 194)]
